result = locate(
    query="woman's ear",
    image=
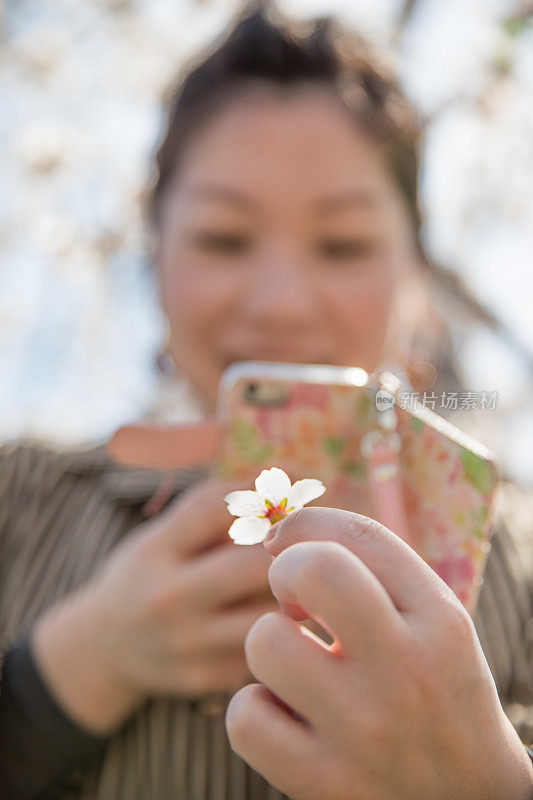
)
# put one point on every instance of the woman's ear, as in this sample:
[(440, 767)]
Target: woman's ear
[(164, 359), (156, 256)]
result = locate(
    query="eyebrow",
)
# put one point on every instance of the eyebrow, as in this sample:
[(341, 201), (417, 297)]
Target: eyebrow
[(226, 194), (322, 206), (351, 197)]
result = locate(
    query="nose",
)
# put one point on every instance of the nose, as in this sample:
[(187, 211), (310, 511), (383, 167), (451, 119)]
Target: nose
[(280, 290)]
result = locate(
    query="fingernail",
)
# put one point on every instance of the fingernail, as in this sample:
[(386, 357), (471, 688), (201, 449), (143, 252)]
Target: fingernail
[(271, 535)]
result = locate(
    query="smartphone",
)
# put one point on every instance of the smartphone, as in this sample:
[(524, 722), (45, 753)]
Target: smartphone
[(318, 421)]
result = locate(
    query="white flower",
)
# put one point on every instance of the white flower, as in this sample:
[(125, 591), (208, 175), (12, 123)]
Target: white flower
[(273, 500)]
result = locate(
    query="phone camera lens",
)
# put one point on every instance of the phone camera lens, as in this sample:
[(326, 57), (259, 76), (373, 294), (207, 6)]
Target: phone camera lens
[(251, 391)]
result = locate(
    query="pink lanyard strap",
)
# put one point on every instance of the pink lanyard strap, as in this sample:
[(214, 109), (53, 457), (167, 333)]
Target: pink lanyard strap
[(385, 484), (381, 447)]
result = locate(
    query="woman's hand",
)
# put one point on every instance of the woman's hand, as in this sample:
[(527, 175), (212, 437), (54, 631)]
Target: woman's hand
[(167, 613), (402, 705)]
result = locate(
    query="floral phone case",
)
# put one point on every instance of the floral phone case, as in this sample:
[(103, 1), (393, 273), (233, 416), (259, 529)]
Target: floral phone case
[(311, 420)]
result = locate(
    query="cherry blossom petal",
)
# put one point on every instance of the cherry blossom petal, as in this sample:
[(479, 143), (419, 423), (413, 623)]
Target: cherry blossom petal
[(249, 530), (245, 504), (304, 491), (273, 484)]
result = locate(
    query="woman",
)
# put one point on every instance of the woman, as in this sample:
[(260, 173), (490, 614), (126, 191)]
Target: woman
[(285, 207)]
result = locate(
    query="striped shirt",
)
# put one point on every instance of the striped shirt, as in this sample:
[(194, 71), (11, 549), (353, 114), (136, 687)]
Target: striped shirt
[(60, 515)]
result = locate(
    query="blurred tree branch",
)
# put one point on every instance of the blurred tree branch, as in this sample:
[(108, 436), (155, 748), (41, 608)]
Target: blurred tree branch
[(405, 15), (406, 12), (453, 285)]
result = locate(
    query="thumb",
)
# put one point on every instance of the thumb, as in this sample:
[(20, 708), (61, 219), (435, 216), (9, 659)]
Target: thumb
[(198, 518), (410, 582)]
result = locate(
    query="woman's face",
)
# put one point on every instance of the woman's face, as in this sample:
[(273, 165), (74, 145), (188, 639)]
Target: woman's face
[(283, 238)]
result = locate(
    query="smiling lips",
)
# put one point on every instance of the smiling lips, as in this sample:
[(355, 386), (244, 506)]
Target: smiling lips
[(276, 354)]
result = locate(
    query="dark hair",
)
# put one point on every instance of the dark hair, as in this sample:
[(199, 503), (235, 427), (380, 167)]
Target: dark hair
[(263, 45)]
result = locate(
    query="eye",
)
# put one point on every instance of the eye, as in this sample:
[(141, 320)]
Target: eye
[(222, 242), (345, 249)]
